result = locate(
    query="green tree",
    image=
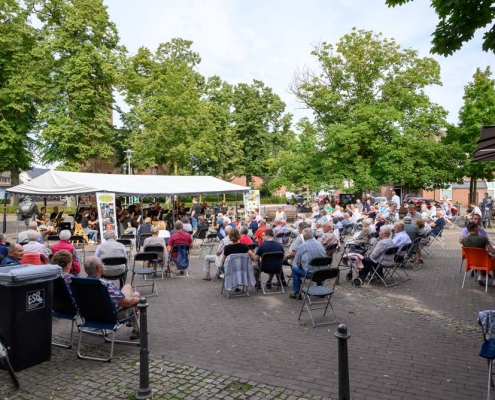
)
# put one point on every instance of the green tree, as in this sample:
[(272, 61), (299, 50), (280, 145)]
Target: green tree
[(20, 81), (378, 125), (169, 119), (261, 127), (83, 57), (478, 110), (459, 20)]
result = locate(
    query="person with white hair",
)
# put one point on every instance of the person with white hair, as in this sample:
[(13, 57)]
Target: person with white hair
[(376, 255), (111, 248), (64, 244), (23, 236), (33, 246)]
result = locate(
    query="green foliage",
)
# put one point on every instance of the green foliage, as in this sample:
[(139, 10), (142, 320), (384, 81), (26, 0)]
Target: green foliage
[(81, 51), (20, 77), (459, 20), (376, 122), (478, 110)]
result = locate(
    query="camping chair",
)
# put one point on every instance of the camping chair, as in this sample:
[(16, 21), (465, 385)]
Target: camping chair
[(238, 272), (386, 270), (160, 250), (208, 242), (98, 312), (486, 319), (64, 307), (128, 247), (479, 260), (319, 276), (145, 271), (277, 257), (180, 259), (116, 261), (79, 244), (141, 238)]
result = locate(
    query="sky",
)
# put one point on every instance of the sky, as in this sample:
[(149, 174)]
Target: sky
[(269, 40)]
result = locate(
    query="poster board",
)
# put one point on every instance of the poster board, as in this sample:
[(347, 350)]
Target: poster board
[(107, 214), (251, 201)]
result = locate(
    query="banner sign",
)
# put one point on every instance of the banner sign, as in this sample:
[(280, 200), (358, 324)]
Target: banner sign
[(251, 201), (107, 214)]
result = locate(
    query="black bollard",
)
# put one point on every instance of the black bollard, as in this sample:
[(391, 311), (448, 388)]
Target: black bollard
[(344, 388), (144, 391)]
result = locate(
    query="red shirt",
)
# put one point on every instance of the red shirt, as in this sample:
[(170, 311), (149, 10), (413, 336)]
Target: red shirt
[(259, 232), (180, 237), (245, 239)]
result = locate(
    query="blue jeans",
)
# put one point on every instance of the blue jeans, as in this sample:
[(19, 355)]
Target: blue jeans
[(298, 275), (194, 222), (91, 233)]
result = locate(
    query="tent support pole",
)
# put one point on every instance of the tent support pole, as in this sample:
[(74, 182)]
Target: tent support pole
[(236, 205), (5, 213)]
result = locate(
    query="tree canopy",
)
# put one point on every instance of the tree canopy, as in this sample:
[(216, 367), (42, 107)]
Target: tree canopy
[(377, 124), (459, 20)]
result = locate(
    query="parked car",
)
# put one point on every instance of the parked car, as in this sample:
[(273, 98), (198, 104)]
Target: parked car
[(320, 198), (408, 196), (300, 199), (378, 200)]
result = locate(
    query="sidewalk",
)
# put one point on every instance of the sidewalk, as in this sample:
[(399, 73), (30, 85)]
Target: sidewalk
[(418, 340)]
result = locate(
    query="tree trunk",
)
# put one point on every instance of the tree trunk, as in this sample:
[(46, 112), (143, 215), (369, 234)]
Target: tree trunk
[(472, 189), (248, 180)]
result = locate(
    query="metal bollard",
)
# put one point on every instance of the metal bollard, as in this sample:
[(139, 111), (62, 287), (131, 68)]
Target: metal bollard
[(344, 388), (144, 391)]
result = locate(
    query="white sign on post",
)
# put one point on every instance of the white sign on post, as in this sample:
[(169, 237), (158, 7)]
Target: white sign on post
[(107, 214)]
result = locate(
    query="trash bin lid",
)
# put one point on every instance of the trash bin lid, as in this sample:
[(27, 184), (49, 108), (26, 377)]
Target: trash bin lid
[(18, 275)]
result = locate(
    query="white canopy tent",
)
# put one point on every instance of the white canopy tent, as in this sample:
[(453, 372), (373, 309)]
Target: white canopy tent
[(60, 183)]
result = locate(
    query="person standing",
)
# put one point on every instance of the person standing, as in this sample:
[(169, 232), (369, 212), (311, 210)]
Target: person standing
[(395, 198), (195, 212)]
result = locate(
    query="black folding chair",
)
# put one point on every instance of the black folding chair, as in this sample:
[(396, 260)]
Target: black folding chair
[(98, 312), (79, 244), (391, 251), (208, 243), (52, 238), (275, 257), (160, 250), (128, 246), (200, 235), (145, 271), (64, 307), (140, 241), (109, 261), (319, 276)]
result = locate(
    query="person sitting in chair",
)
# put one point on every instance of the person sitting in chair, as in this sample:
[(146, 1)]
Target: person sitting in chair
[(437, 226), (14, 255), (123, 298), (64, 244), (269, 245), (4, 247), (179, 237), (376, 255), (33, 246), (111, 248), (306, 252), (64, 259)]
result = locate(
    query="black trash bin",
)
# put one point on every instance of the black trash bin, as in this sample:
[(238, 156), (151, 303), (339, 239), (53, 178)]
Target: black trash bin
[(26, 297)]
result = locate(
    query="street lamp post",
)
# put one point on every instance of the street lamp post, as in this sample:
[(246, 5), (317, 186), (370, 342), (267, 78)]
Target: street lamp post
[(128, 153), (153, 171)]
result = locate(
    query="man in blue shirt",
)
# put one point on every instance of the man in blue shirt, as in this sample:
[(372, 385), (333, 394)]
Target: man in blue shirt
[(437, 226), (4, 249), (14, 256), (306, 252)]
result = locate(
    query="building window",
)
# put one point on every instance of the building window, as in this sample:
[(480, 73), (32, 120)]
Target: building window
[(446, 192)]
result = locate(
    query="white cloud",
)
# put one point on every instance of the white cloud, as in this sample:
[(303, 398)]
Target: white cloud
[(269, 40)]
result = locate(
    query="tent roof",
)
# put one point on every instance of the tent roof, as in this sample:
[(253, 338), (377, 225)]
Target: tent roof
[(61, 183), (485, 146)]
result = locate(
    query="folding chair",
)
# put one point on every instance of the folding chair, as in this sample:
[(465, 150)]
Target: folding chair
[(391, 251), (129, 236), (128, 247), (52, 238), (479, 260), (177, 250), (402, 261), (486, 319), (436, 239), (287, 239), (238, 272), (319, 275), (160, 250), (79, 244), (144, 271), (140, 240), (98, 312), (64, 307), (116, 261), (200, 235), (277, 257), (208, 243)]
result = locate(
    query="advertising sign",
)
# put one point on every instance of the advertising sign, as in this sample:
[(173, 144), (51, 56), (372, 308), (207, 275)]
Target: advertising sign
[(251, 201), (107, 214)]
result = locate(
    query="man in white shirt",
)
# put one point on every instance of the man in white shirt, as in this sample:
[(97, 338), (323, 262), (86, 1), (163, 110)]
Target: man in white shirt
[(401, 238), (395, 198)]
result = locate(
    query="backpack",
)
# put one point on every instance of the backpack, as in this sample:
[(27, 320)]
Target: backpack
[(182, 259)]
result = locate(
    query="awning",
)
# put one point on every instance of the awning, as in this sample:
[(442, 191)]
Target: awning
[(61, 183), (485, 146)]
